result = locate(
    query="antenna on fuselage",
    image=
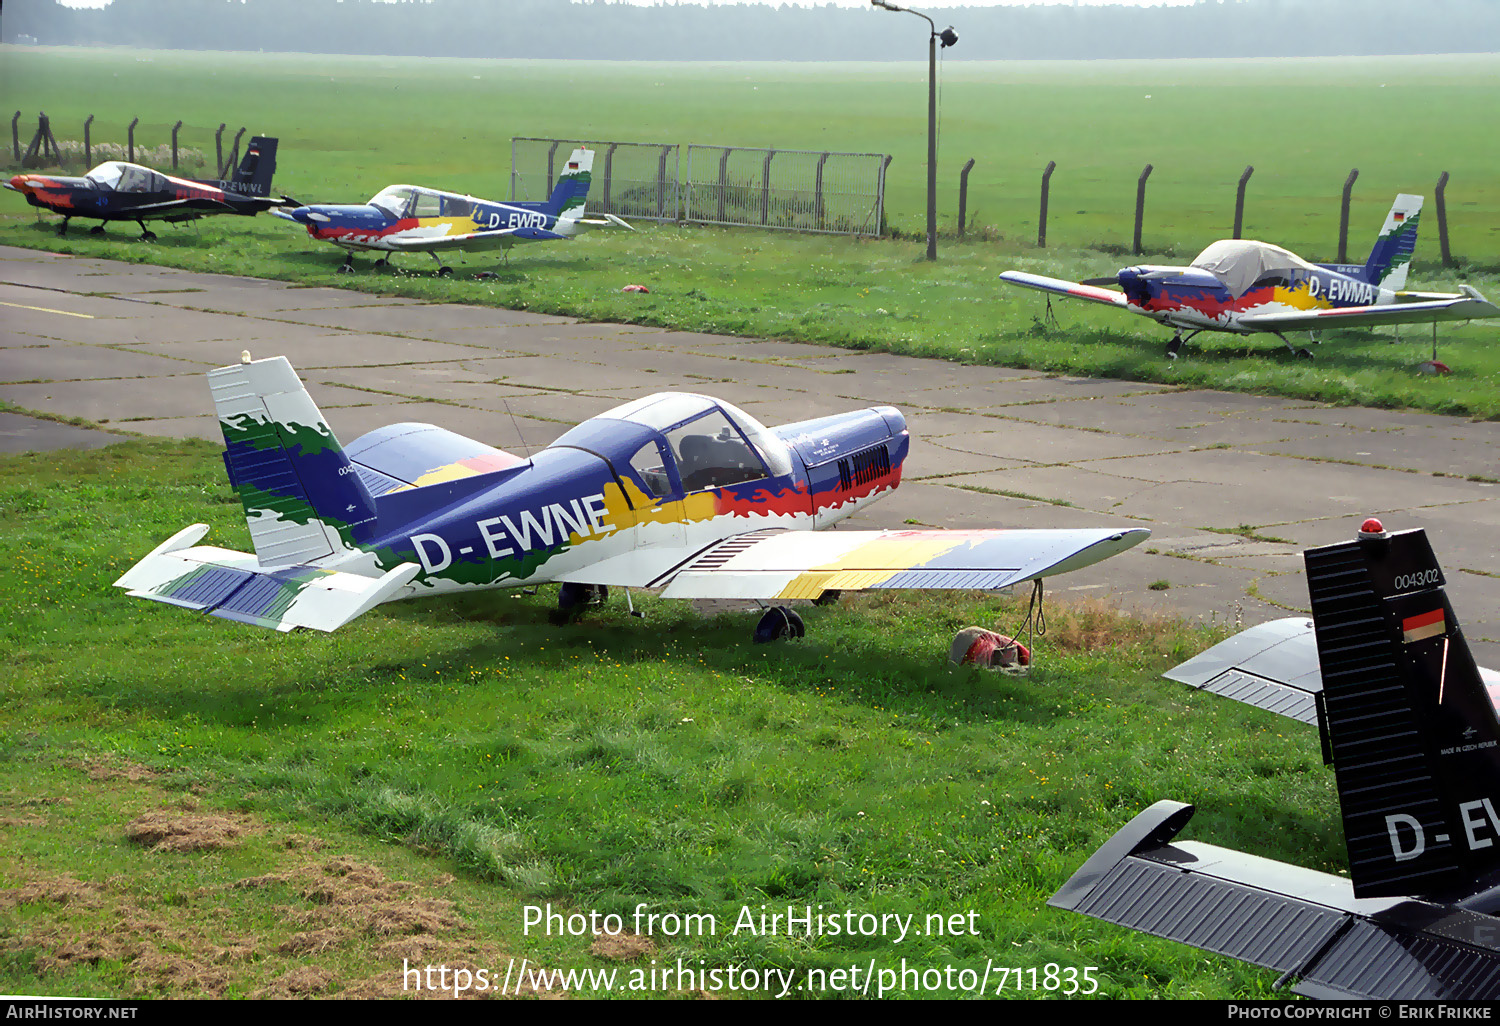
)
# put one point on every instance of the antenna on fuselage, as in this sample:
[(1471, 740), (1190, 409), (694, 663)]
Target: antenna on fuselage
[(517, 425)]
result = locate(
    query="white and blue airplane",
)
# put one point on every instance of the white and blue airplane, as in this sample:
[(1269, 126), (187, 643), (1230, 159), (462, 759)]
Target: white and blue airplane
[(410, 218)]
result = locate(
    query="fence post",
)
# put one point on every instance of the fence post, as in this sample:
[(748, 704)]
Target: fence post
[(1239, 201), (818, 192), (1041, 223), (219, 151), (885, 166), (661, 183), (130, 140), (175, 129), (38, 141), (1344, 217), (1442, 212), (551, 165), (1140, 206), (15, 136), (963, 196), (609, 166), (765, 188), (88, 150), (234, 156), (723, 179)]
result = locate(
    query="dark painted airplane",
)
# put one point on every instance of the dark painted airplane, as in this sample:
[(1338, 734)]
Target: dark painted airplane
[(120, 191), (1409, 723)]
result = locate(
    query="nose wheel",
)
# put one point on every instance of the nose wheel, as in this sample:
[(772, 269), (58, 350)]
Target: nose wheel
[(1176, 343)]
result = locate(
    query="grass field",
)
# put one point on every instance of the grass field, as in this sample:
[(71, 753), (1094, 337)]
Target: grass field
[(491, 760), (349, 126)]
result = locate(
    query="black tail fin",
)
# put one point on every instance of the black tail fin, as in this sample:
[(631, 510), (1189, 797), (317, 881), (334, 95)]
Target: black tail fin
[(1413, 732), (253, 176)]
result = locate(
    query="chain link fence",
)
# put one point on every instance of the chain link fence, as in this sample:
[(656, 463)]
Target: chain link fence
[(629, 180), (796, 190)]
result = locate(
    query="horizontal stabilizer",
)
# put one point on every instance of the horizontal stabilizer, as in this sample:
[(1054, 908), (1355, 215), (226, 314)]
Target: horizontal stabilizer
[(803, 565), (233, 585), (1304, 924), (1274, 666)]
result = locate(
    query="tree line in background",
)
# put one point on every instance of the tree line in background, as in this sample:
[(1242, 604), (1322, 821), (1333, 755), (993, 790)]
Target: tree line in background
[(602, 29)]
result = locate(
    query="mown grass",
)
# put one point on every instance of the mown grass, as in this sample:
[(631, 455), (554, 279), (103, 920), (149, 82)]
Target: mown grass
[(616, 762), (349, 126)]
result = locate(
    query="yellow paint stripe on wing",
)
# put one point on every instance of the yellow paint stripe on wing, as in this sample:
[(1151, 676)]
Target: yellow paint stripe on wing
[(48, 309), (892, 554)]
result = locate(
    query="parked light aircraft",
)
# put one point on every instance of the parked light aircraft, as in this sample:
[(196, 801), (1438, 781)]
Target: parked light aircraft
[(675, 491), (1409, 723), (408, 218), (120, 191), (1242, 287)]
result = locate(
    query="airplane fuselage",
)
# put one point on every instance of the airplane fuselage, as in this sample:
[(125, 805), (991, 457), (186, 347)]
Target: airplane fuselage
[(1186, 297), (620, 500)]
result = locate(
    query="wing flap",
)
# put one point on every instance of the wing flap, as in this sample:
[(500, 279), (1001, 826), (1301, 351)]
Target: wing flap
[(794, 565), (1058, 286), (232, 585)]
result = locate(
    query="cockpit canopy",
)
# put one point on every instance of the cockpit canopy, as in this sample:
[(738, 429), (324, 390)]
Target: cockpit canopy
[(123, 177), (1239, 263), (398, 201), (709, 442)]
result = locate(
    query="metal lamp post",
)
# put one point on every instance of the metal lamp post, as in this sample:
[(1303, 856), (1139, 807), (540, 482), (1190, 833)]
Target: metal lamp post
[(947, 37)]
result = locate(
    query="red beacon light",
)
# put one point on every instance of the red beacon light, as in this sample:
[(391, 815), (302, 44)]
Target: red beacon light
[(1372, 528)]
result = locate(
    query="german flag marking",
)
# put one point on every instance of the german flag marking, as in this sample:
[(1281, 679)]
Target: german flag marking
[(1423, 625)]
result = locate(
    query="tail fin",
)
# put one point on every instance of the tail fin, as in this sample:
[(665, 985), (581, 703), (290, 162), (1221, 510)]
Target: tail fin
[(572, 189), (303, 499), (253, 176), (1391, 256), (1413, 734)]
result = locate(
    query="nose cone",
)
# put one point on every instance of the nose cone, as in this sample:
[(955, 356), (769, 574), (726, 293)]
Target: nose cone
[(20, 183)]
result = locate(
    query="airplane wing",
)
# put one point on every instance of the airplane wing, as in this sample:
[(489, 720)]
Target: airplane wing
[(1466, 307), (232, 585), (474, 240), (1042, 283), (803, 564), (1299, 922), (1274, 666)]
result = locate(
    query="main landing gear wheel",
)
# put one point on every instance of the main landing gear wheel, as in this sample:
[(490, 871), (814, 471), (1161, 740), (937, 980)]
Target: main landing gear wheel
[(779, 622), (98, 229), (445, 271), (62, 229), (347, 267), (382, 263), (1173, 346), (573, 599), (146, 233)]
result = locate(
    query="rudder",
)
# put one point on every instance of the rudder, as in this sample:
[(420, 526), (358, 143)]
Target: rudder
[(253, 176), (1413, 734), (1391, 257), (572, 189), (303, 499)]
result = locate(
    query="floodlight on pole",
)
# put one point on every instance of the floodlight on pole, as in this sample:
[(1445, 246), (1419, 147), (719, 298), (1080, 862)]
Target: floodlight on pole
[(947, 37)]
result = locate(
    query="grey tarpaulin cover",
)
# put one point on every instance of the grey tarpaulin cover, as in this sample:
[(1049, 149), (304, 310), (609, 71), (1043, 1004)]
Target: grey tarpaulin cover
[(1240, 263)]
